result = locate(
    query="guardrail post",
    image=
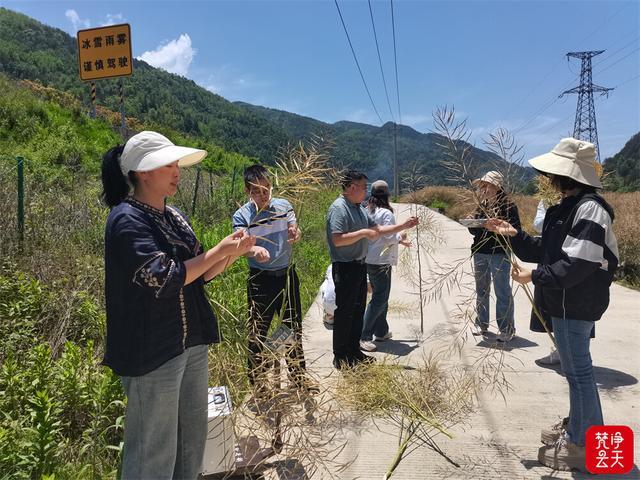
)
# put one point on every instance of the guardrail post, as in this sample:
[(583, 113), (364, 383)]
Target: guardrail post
[(20, 161)]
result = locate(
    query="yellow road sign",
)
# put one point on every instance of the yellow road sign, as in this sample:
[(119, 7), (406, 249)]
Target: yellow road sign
[(105, 52)]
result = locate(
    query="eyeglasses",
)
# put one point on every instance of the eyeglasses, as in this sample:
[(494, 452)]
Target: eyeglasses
[(259, 190)]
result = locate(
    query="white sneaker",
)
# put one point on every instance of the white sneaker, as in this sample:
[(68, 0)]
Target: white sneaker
[(386, 336), (368, 346), (505, 337), (552, 359)]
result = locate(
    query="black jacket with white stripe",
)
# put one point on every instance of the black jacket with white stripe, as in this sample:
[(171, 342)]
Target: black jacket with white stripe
[(576, 255)]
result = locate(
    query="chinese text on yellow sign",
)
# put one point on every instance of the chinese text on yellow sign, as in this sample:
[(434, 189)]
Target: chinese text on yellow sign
[(105, 52)]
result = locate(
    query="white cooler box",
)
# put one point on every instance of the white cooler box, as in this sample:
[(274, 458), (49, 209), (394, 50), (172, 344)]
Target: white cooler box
[(219, 451)]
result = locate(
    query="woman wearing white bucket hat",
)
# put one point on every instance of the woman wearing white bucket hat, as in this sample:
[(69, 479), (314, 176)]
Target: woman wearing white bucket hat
[(490, 258), (159, 321), (577, 256)]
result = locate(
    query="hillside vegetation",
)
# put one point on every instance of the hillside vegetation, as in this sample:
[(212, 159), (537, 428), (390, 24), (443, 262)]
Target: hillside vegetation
[(32, 51), (62, 411), (371, 149), (624, 167), (456, 202)]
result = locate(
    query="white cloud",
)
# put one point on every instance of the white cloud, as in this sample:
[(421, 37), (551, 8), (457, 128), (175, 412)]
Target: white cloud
[(77, 22), (82, 23), (174, 56), (214, 87), (113, 19)]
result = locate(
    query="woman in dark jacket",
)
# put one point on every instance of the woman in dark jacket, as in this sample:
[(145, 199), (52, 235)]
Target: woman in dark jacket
[(159, 321), (490, 258), (577, 256)]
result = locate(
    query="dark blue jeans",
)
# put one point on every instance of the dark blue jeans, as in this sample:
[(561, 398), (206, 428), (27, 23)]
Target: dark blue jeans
[(573, 339), (375, 317), (494, 267)]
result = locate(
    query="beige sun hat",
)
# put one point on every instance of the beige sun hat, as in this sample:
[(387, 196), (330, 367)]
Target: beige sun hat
[(147, 151), (570, 158), (492, 177)]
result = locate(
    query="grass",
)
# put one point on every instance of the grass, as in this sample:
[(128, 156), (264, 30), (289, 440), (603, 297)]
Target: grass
[(52, 320), (626, 208), (51, 308)]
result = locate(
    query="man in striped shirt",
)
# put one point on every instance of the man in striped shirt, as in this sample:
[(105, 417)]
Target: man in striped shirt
[(273, 286)]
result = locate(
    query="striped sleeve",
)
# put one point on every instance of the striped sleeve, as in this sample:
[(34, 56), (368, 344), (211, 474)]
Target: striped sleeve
[(591, 237), (589, 246), (291, 214), (239, 220)]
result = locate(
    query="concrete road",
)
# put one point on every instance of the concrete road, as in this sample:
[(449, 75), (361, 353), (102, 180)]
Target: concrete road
[(502, 436)]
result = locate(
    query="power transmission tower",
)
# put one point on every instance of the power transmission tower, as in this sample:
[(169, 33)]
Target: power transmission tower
[(585, 127)]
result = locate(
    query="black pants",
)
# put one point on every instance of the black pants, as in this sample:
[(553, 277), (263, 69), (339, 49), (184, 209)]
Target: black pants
[(350, 279), (267, 295)]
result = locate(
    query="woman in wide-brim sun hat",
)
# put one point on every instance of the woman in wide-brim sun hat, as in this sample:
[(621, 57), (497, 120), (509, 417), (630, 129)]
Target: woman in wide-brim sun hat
[(577, 255), (159, 321)]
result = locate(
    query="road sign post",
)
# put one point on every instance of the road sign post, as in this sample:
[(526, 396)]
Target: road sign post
[(105, 52)]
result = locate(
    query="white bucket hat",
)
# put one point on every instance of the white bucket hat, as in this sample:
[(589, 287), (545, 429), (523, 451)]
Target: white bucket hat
[(379, 187), (147, 151), (492, 177), (570, 158)]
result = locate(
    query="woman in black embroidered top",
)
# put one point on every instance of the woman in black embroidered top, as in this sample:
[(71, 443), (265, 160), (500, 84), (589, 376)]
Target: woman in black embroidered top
[(159, 321)]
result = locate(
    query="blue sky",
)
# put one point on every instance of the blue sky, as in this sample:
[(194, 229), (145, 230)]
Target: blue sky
[(500, 63)]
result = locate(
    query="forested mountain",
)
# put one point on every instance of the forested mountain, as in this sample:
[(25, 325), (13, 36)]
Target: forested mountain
[(370, 148), (33, 51), (624, 167)]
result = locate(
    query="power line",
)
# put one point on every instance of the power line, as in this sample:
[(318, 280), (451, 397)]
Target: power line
[(635, 40), (555, 67), (357, 63), (395, 61), (627, 81), (396, 182), (384, 81), (568, 117), (552, 126), (539, 112), (550, 103), (619, 60), (604, 22), (585, 127)]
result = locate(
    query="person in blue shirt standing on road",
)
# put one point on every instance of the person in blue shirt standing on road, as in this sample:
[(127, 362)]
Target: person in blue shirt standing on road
[(349, 230), (273, 285)]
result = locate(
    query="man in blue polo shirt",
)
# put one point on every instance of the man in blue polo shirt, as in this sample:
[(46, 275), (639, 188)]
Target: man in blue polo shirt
[(349, 229), (273, 285)]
